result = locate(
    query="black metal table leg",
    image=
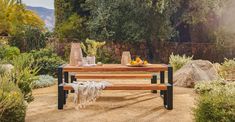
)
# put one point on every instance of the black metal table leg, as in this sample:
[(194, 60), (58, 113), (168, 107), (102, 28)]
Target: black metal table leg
[(170, 75)]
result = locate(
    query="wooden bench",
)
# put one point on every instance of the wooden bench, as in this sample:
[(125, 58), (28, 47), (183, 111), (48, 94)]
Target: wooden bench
[(166, 89), (153, 77), (129, 87)]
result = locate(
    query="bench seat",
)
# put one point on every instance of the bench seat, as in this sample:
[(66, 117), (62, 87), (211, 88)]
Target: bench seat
[(113, 76), (128, 87), (167, 90)]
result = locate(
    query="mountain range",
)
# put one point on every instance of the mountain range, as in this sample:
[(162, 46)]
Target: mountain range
[(47, 15)]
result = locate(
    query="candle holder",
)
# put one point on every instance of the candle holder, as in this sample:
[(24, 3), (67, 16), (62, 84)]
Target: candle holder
[(126, 58), (75, 55)]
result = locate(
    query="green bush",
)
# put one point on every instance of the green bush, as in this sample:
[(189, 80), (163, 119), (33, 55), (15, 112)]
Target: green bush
[(205, 87), (43, 81), (24, 74), (106, 57), (178, 61), (47, 60), (216, 102), (7, 52), (30, 38), (227, 68), (12, 104)]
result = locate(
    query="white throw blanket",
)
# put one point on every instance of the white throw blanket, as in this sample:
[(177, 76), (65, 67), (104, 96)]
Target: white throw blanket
[(87, 92)]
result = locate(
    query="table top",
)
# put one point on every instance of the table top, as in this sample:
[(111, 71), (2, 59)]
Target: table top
[(115, 68)]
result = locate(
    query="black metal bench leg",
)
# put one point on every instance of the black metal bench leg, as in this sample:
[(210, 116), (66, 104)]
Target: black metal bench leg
[(165, 99), (66, 79), (61, 96), (72, 78), (170, 88), (162, 81), (65, 96), (154, 81), (60, 88)]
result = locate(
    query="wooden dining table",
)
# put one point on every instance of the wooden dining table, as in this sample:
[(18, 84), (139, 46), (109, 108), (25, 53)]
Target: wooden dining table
[(64, 70)]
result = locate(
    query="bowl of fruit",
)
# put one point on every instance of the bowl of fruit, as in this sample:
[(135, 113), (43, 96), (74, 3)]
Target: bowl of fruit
[(138, 62)]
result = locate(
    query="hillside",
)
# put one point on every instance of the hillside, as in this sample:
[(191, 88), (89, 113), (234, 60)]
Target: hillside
[(46, 14)]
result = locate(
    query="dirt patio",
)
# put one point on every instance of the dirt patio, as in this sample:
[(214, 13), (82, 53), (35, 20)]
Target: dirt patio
[(113, 106)]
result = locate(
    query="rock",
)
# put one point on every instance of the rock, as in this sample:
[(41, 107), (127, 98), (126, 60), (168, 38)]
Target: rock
[(195, 71)]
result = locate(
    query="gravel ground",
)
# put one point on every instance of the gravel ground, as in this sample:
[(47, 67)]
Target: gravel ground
[(113, 106)]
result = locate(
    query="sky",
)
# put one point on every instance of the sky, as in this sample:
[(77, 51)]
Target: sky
[(40, 3)]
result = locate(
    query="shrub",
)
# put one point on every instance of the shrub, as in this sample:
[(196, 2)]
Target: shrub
[(227, 68), (30, 38), (216, 102), (47, 61), (7, 52), (43, 81), (12, 104), (205, 87), (105, 56), (24, 74), (178, 61)]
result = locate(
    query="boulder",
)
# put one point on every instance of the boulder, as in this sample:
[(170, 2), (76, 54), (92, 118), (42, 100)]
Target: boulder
[(195, 71)]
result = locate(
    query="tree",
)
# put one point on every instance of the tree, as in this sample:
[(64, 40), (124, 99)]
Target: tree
[(13, 15), (70, 19), (74, 27), (132, 20), (66, 8), (63, 10)]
